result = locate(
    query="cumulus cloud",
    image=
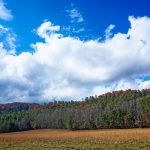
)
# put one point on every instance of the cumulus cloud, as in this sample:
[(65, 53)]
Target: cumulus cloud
[(47, 29), (69, 68), (124, 84), (5, 14)]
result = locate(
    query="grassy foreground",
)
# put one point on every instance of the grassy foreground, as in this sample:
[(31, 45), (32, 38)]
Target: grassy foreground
[(120, 139)]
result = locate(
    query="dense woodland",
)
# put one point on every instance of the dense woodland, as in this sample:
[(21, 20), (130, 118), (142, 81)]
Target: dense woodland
[(119, 109)]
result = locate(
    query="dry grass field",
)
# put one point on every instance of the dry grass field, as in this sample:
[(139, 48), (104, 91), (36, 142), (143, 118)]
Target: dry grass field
[(119, 139)]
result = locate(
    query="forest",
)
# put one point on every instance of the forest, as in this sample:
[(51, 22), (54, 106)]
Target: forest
[(117, 109)]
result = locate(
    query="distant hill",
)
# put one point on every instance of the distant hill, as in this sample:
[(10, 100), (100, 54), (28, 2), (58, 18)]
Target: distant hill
[(117, 109), (16, 106)]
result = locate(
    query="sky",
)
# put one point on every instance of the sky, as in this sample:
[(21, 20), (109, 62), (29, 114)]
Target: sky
[(70, 49)]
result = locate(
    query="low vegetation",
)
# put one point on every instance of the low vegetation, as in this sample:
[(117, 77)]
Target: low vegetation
[(120, 139)]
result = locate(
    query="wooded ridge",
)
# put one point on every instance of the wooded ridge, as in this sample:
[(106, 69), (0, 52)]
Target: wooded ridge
[(118, 109)]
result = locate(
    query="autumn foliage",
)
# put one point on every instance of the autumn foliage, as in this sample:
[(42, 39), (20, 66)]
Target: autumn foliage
[(118, 109)]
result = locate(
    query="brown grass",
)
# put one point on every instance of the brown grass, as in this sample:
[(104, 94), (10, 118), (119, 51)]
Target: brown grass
[(56, 139), (56, 134)]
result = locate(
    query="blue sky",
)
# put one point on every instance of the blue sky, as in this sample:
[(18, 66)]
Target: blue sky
[(73, 48), (97, 16)]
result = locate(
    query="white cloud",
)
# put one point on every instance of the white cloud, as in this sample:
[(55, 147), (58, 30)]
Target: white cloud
[(70, 30), (108, 32), (76, 20), (5, 14), (3, 29), (75, 15), (67, 67), (7, 39), (47, 29), (122, 85)]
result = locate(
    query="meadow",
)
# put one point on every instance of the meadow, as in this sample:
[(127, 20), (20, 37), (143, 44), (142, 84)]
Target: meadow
[(48, 139)]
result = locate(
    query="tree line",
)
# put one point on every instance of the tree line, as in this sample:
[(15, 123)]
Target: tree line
[(118, 109)]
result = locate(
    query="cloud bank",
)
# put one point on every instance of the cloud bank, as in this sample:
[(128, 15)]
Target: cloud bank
[(66, 67), (5, 14)]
